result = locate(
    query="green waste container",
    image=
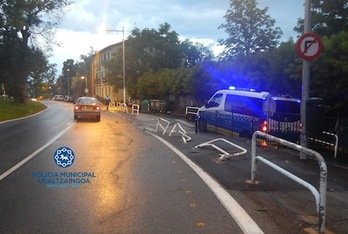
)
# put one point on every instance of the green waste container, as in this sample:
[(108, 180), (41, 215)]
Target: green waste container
[(145, 105)]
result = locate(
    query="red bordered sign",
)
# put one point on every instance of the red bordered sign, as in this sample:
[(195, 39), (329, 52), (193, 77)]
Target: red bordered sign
[(309, 46)]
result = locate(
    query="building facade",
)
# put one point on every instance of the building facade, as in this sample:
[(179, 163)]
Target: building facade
[(101, 83)]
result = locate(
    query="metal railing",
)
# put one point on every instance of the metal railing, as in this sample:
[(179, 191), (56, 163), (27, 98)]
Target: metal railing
[(223, 154), (135, 109), (334, 145), (163, 124), (320, 196), (177, 128), (191, 110)]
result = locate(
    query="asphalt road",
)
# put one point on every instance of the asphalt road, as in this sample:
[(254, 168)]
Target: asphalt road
[(276, 203), (132, 183), (143, 181)]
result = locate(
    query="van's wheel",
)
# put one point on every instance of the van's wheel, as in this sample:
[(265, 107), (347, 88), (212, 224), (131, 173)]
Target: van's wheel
[(202, 125), (245, 134)]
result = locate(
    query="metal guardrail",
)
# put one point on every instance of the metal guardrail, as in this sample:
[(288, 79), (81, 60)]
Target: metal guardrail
[(135, 109), (191, 110), (123, 106), (320, 196), (177, 128), (223, 154), (163, 124), (334, 145)]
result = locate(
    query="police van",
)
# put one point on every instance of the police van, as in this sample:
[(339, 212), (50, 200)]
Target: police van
[(237, 112), (286, 120)]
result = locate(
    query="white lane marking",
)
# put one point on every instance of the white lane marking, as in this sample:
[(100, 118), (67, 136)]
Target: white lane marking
[(244, 221), (21, 163)]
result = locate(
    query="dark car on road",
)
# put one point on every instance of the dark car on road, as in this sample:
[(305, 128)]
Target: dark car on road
[(87, 107)]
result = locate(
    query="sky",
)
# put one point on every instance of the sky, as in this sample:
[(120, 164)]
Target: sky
[(82, 28)]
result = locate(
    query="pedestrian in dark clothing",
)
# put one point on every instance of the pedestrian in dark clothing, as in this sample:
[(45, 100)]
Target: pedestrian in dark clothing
[(107, 102)]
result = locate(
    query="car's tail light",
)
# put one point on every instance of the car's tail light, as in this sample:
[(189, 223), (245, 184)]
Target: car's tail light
[(96, 107), (77, 107), (264, 126)]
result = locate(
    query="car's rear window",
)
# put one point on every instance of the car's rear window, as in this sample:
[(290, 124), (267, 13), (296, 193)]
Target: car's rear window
[(87, 101)]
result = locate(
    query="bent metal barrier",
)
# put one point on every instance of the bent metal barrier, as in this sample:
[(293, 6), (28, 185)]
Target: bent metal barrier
[(163, 124), (320, 196), (177, 128), (223, 154)]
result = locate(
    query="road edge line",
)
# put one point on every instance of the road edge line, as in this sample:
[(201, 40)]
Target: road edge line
[(244, 221), (32, 155)]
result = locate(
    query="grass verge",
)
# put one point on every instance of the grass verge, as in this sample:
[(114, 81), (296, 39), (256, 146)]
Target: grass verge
[(12, 110)]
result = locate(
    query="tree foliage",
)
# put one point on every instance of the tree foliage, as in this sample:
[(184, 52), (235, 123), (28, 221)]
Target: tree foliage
[(249, 29), (327, 17), (20, 21), (330, 73), (151, 51), (193, 81)]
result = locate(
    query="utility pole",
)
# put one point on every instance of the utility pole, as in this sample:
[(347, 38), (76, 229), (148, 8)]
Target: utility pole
[(305, 80)]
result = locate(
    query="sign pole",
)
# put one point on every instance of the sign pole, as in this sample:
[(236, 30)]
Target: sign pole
[(305, 81)]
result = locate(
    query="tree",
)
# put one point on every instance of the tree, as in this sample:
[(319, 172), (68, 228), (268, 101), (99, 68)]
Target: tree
[(152, 51), (22, 21), (41, 76), (68, 72), (249, 29), (330, 73), (327, 17), (285, 70), (195, 53), (83, 68)]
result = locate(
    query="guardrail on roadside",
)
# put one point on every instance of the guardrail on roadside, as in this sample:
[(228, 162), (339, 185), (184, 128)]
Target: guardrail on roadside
[(320, 196), (223, 154), (177, 128), (163, 124), (191, 110), (122, 106), (334, 145), (135, 109)]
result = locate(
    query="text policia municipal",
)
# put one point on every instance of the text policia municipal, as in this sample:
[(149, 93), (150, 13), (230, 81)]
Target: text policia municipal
[(63, 177)]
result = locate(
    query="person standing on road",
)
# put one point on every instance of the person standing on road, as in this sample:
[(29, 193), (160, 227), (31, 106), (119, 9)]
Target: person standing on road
[(107, 101)]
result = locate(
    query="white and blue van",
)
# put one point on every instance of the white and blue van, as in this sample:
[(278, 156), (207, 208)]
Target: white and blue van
[(237, 112), (285, 123)]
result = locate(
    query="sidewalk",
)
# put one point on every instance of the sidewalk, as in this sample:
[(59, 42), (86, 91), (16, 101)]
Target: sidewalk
[(272, 190)]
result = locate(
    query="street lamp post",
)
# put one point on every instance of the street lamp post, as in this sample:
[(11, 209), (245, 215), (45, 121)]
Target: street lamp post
[(123, 63), (68, 82)]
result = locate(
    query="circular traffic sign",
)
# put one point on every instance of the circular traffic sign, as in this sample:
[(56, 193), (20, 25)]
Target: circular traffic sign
[(309, 46)]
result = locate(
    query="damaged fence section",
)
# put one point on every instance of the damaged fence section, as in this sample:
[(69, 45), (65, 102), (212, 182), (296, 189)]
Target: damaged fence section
[(223, 154), (178, 128)]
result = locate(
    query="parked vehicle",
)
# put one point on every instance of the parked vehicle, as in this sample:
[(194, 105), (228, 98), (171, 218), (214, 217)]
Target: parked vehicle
[(237, 112), (286, 121), (87, 107), (58, 98)]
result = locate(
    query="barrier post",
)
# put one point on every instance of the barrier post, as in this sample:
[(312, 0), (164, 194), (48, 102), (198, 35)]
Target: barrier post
[(320, 196)]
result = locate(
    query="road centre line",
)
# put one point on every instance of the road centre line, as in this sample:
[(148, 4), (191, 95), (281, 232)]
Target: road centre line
[(21, 163), (244, 221)]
